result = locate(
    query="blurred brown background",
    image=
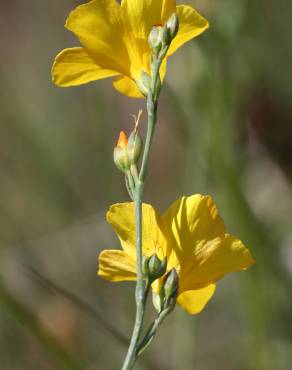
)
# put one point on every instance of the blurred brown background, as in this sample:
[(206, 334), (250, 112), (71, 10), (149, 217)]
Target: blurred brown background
[(225, 128)]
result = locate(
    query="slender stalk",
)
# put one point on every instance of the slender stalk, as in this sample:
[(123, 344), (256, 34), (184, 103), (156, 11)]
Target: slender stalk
[(152, 330), (140, 308), (141, 289)]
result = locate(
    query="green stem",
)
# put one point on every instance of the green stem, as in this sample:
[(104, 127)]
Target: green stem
[(134, 173), (140, 309), (152, 330), (141, 291)]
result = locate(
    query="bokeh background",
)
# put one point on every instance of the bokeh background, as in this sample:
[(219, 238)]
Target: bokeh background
[(225, 128)]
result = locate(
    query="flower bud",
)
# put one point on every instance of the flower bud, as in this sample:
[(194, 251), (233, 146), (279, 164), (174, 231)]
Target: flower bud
[(173, 25), (144, 83), (121, 157), (154, 38), (165, 36), (134, 147), (170, 285), (157, 301), (154, 268)]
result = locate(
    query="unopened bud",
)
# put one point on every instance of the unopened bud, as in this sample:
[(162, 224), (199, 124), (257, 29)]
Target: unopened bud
[(165, 36), (157, 301), (160, 37), (154, 268), (144, 83), (121, 157), (134, 147), (154, 38), (173, 25), (170, 285)]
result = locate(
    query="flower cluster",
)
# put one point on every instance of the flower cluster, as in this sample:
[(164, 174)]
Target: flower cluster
[(193, 238), (115, 41)]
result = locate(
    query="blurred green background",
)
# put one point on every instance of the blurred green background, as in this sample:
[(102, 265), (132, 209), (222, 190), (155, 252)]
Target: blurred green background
[(225, 128)]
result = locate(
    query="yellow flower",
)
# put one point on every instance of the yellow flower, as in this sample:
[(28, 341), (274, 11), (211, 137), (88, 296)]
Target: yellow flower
[(115, 43), (192, 236)]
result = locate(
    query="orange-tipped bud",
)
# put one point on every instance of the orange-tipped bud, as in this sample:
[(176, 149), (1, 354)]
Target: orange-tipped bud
[(123, 140), (121, 157), (127, 151)]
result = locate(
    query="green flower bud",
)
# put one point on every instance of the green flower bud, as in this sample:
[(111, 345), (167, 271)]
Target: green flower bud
[(154, 268), (134, 147), (170, 285), (154, 38), (165, 35), (173, 25), (121, 157), (157, 301), (144, 83)]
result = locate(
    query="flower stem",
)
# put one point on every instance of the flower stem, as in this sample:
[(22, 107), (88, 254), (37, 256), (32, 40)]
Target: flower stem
[(140, 309), (141, 289), (152, 330)]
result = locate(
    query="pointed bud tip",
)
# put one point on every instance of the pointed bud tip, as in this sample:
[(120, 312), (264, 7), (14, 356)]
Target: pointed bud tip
[(123, 140)]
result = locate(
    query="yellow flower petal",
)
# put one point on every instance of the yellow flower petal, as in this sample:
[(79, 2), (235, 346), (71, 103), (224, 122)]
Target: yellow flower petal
[(214, 260), (140, 17), (188, 223), (99, 26), (163, 68), (144, 14), (115, 265), (122, 218), (127, 86), (74, 67), (194, 301), (191, 24)]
